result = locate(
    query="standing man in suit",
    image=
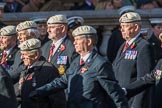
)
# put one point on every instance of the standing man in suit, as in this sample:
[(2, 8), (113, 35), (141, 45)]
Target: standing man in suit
[(134, 57), (154, 78), (154, 40), (60, 49), (116, 39), (89, 79), (8, 45)]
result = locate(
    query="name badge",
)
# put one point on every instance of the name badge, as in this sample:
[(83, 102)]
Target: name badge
[(131, 55), (62, 60)]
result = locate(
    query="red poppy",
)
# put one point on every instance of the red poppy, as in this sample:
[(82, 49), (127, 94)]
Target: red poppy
[(30, 77), (133, 45), (83, 70), (62, 47)]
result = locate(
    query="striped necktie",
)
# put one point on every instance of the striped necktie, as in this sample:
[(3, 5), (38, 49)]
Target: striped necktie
[(51, 52)]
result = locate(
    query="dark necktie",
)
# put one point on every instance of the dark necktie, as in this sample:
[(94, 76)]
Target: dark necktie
[(3, 59), (81, 61), (125, 47), (51, 52)]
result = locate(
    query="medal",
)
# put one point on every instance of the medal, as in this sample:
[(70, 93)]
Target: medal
[(61, 69), (34, 84), (62, 60)]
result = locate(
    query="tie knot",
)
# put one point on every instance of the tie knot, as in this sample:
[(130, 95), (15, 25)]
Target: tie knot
[(81, 61), (4, 53), (52, 45), (51, 52)]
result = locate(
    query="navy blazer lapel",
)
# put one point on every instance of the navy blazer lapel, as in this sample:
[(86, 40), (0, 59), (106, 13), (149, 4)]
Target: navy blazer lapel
[(91, 58), (11, 54), (46, 49), (120, 54)]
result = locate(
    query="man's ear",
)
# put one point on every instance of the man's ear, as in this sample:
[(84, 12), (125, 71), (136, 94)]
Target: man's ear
[(89, 41), (136, 27)]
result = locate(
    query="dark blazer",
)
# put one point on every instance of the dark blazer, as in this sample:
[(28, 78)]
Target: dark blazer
[(10, 58), (41, 73), (7, 94), (69, 52), (147, 81), (17, 61), (135, 62), (156, 47), (88, 85)]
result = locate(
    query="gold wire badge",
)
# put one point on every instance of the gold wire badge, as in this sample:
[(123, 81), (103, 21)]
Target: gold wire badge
[(61, 69)]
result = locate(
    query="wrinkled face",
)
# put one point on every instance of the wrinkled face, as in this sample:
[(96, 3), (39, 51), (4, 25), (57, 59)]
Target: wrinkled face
[(157, 30), (128, 30), (6, 42), (81, 44), (22, 36), (54, 31), (42, 28), (28, 58)]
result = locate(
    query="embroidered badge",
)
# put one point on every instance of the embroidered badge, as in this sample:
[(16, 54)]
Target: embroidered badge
[(83, 70)]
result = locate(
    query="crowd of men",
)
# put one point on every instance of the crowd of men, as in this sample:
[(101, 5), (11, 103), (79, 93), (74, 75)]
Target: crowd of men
[(54, 63)]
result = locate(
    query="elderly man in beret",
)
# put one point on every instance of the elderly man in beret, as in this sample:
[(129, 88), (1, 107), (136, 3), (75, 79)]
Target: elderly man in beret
[(116, 39), (60, 49), (89, 79), (37, 72), (152, 79), (134, 57), (8, 46), (25, 30)]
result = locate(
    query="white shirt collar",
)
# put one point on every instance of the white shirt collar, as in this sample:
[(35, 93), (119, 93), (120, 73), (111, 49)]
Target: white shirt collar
[(86, 56), (132, 40)]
